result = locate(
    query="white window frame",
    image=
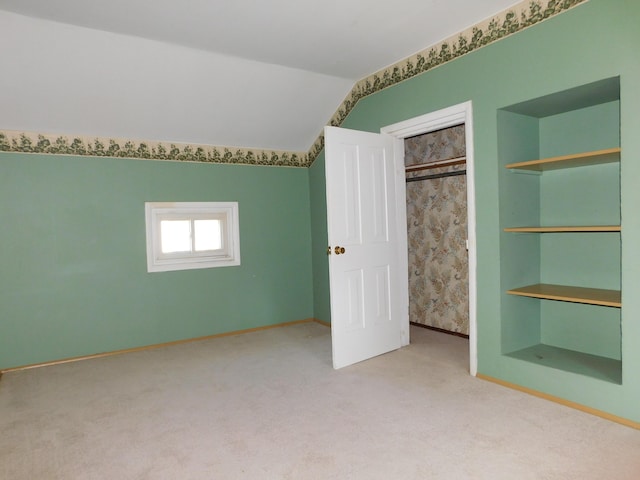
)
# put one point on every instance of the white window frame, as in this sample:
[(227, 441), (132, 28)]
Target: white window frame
[(225, 212)]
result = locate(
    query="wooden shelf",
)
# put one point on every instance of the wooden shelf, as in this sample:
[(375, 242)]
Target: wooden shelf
[(593, 366), (609, 155), (559, 229), (591, 296)]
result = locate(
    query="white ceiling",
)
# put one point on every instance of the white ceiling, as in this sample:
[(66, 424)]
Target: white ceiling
[(314, 50)]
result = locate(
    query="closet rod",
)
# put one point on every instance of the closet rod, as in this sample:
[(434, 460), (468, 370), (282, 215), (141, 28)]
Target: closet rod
[(438, 164), (437, 175)]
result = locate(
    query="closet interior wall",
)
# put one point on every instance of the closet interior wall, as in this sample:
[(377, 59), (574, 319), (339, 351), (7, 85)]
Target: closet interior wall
[(437, 231)]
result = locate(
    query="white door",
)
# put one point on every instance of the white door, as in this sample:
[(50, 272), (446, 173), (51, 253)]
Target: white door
[(364, 266)]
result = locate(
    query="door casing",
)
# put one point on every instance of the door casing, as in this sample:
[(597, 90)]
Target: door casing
[(448, 117)]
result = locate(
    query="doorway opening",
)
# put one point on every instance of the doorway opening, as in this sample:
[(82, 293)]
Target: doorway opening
[(435, 165), (456, 116)]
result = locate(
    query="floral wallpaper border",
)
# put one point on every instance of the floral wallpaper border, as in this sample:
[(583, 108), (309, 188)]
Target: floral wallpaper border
[(23, 142), (508, 22)]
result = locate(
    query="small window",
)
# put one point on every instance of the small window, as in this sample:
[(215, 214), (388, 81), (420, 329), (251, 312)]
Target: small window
[(187, 235)]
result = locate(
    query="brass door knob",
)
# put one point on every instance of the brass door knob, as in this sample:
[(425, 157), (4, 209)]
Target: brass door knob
[(339, 250)]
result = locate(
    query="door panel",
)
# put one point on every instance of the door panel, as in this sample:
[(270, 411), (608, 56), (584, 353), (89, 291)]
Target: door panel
[(347, 219), (354, 288), (382, 312)]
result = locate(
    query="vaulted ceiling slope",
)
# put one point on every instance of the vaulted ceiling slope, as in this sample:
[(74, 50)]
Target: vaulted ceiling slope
[(246, 73)]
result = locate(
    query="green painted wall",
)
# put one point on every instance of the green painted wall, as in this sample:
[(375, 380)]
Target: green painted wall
[(319, 239), (574, 131), (74, 280), (593, 41), (518, 140)]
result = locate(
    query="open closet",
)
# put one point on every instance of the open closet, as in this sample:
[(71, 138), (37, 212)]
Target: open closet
[(435, 165)]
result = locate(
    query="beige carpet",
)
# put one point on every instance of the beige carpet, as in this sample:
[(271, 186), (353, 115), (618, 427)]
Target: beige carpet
[(268, 405)]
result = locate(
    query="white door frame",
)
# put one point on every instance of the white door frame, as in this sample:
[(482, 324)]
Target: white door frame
[(447, 117)]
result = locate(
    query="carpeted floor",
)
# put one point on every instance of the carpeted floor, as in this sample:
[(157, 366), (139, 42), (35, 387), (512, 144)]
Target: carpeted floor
[(268, 405)]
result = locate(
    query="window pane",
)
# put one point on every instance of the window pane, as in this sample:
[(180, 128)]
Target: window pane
[(175, 236), (190, 235), (208, 235)]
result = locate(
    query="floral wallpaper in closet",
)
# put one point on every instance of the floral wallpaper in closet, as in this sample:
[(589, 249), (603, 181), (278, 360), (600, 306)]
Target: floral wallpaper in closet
[(437, 233)]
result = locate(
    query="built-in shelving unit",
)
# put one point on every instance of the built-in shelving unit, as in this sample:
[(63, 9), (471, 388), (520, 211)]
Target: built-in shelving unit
[(567, 293), (570, 213)]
